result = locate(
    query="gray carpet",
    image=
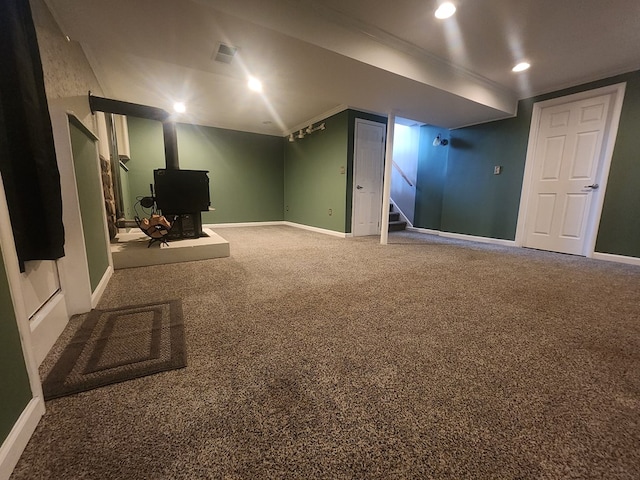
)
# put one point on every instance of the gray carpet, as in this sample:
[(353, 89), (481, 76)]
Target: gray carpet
[(117, 345), (318, 357)]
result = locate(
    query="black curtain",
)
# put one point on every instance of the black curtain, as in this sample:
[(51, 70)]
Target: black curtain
[(27, 155)]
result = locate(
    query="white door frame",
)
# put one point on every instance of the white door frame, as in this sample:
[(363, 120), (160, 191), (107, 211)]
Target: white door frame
[(25, 425), (355, 171), (74, 266), (602, 175)]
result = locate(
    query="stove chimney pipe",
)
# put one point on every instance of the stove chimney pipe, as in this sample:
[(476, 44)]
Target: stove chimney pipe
[(99, 104)]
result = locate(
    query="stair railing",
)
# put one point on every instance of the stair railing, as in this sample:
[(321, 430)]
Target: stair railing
[(402, 174)]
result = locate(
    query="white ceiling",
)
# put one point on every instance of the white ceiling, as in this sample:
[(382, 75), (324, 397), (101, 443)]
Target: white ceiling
[(319, 56)]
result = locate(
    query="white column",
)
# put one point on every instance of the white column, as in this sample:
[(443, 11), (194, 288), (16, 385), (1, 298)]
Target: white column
[(386, 189)]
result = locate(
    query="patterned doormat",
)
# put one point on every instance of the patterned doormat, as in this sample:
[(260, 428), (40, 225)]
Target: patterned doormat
[(119, 344)]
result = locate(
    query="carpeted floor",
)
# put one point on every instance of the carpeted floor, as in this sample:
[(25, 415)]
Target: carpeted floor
[(313, 357)]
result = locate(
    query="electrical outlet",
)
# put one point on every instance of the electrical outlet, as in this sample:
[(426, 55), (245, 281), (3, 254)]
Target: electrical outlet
[(497, 170), (341, 170), (330, 211)]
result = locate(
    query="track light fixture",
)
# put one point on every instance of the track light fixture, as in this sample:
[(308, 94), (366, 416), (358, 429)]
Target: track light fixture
[(307, 131)]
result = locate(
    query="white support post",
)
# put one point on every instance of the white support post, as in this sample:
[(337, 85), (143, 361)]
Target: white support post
[(386, 189)]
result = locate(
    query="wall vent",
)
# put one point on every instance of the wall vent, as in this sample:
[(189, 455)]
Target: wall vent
[(225, 53)]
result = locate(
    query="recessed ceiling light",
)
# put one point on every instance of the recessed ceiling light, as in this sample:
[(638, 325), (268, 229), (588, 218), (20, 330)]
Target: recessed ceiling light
[(521, 67), (179, 107), (445, 10), (255, 84)]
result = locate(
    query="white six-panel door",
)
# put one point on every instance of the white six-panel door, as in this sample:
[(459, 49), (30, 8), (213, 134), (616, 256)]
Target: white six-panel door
[(368, 169), (566, 166)]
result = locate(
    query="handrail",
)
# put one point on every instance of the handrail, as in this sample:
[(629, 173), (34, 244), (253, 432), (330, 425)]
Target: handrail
[(406, 179)]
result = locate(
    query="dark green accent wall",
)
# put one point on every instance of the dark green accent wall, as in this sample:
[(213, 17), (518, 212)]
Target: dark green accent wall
[(88, 180), (315, 174), (245, 169), (476, 202), (15, 390), (619, 231), (431, 174)]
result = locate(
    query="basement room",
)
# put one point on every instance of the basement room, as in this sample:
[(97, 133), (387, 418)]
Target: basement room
[(300, 239)]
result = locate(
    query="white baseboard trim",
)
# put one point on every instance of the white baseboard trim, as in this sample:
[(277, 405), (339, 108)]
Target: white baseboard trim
[(47, 325), (324, 231), (17, 440), (473, 238), (214, 226), (610, 257), (423, 230), (97, 294), (462, 236)]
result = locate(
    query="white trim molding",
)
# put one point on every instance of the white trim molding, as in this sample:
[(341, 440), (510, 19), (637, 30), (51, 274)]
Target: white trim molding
[(19, 436), (13, 446), (324, 231), (427, 231), (47, 325), (610, 257), (102, 285), (213, 226), (73, 267), (333, 233), (462, 236), (473, 238)]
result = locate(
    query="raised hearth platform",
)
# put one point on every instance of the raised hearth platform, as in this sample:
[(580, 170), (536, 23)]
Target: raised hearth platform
[(130, 249)]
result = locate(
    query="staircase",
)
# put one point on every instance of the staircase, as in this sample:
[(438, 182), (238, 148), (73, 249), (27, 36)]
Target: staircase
[(395, 224)]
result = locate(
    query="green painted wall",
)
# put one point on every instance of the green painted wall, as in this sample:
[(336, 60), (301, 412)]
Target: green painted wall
[(619, 231), (315, 176), (88, 179), (245, 169), (146, 146), (476, 202), (245, 172), (431, 174), (258, 178), (319, 174), (15, 390)]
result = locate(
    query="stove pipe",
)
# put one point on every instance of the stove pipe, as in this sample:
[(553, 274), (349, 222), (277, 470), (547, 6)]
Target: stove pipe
[(107, 105)]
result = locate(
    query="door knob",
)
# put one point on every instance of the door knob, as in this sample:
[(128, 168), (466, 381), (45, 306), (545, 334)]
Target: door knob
[(593, 186), (359, 187)]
